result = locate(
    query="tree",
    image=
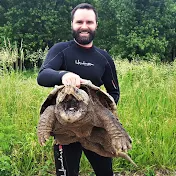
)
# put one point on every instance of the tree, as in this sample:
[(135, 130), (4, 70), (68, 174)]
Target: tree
[(38, 22), (107, 31), (145, 29), (136, 29)]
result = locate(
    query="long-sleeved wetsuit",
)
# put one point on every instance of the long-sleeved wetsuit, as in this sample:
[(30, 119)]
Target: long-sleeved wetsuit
[(89, 63), (93, 64)]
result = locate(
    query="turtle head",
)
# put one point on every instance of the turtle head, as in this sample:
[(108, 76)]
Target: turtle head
[(71, 104)]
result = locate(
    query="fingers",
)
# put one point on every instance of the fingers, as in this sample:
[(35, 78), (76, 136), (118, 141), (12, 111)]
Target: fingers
[(84, 81), (78, 82), (71, 79)]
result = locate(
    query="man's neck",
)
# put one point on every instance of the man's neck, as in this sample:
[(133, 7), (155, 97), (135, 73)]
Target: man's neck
[(85, 46)]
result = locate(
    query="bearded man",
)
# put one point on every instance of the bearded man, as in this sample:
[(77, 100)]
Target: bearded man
[(71, 63)]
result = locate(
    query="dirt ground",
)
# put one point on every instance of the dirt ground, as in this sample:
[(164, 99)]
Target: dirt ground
[(156, 173), (139, 173)]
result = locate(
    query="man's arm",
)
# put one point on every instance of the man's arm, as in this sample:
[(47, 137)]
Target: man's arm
[(110, 79), (50, 73)]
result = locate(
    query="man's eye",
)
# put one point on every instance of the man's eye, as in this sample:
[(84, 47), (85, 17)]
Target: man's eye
[(79, 22), (89, 22)]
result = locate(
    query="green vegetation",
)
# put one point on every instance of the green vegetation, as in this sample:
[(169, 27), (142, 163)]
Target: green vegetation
[(140, 29), (136, 30), (147, 109)]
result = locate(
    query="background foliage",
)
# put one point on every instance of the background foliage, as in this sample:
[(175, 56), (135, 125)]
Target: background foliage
[(136, 29), (147, 110)]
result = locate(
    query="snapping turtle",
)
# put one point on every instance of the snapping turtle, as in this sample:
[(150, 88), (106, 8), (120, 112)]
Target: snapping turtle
[(86, 115)]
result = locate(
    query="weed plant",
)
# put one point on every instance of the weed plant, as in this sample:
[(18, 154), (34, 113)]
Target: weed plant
[(147, 110)]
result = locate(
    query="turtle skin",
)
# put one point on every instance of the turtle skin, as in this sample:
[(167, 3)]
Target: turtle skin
[(86, 115)]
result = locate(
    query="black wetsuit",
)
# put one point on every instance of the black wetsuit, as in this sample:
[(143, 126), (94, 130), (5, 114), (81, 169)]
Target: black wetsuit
[(89, 63)]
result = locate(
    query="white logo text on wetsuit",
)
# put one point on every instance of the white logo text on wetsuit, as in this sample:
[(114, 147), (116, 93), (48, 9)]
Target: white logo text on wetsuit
[(62, 169), (77, 62)]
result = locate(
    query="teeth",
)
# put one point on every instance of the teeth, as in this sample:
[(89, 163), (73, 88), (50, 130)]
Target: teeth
[(71, 109)]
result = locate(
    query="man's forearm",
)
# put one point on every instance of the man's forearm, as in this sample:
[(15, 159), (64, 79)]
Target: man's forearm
[(49, 77)]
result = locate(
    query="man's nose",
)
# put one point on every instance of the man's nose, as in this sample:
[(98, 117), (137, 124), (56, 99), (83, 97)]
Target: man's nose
[(84, 25)]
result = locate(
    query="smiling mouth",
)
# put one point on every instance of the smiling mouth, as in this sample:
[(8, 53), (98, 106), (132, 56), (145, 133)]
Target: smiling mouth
[(84, 33)]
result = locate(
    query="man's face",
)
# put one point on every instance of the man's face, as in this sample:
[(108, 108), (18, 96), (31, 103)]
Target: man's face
[(84, 26)]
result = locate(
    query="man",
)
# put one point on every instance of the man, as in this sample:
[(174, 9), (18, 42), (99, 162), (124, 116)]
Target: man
[(71, 63)]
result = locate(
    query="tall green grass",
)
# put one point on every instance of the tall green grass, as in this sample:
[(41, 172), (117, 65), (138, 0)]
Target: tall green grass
[(147, 110)]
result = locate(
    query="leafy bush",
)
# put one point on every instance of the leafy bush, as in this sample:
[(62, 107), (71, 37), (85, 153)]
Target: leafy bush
[(5, 165)]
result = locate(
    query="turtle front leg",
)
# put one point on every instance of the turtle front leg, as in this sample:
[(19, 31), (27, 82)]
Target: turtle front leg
[(120, 140), (45, 125)]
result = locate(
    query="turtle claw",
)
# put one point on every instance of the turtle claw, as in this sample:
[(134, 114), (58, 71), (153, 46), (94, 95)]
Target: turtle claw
[(125, 156)]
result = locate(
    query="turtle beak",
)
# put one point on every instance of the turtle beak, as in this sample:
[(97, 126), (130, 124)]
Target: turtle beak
[(69, 90)]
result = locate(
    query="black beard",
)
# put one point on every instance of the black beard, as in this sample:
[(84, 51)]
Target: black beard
[(81, 39)]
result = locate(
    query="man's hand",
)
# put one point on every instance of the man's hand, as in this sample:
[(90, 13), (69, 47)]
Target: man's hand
[(72, 79)]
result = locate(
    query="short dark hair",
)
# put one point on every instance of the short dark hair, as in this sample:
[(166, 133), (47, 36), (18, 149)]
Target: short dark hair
[(84, 6)]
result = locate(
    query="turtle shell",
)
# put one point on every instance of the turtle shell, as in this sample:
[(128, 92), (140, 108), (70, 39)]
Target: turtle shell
[(103, 97)]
